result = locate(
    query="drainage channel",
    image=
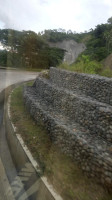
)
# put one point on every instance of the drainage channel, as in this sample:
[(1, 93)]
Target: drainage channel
[(19, 178), (23, 181)]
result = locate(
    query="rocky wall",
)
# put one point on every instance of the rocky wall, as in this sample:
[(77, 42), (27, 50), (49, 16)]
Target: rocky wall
[(79, 124), (94, 86), (92, 115)]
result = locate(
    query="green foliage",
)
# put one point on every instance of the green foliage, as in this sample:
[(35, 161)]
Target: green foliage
[(84, 65), (55, 56), (109, 20), (106, 72), (29, 50), (3, 58), (64, 66), (108, 38), (100, 44), (58, 35), (98, 41)]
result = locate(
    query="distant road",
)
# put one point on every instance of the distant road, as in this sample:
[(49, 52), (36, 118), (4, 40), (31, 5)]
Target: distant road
[(8, 77)]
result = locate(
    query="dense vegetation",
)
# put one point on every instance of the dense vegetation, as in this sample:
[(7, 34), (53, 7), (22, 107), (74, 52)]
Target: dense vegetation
[(27, 49), (98, 41), (58, 35), (99, 46), (31, 50)]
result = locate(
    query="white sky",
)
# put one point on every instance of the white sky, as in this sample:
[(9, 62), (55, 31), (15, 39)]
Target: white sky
[(38, 15)]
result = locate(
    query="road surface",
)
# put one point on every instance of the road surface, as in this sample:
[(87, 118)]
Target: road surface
[(8, 77)]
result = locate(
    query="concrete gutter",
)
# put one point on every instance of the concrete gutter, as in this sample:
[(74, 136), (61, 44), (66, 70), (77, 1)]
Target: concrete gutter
[(22, 156)]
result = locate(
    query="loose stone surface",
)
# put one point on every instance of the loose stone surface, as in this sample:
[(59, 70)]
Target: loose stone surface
[(77, 111)]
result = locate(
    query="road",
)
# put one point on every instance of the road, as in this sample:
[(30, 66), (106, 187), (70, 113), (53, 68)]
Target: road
[(8, 172), (8, 77)]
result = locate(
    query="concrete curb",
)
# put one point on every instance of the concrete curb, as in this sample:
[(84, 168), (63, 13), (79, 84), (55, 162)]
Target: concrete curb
[(21, 154)]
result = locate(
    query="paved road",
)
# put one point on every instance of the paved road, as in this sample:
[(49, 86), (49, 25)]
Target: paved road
[(7, 168), (8, 77)]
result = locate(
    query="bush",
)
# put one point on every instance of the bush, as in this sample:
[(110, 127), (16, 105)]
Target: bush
[(84, 65), (106, 72)]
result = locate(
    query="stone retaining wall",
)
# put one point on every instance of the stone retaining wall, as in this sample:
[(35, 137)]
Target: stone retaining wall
[(97, 87), (88, 113), (79, 124)]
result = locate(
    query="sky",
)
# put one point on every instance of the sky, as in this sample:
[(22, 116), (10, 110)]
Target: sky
[(38, 15)]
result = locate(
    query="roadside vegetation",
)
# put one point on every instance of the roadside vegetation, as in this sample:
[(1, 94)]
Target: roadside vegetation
[(30, 50), (61, 171), (98, 47), (27, 49), (85, 65)]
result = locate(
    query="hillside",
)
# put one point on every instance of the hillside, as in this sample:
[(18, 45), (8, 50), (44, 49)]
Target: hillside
[(108, 62), (52, 47), (27, 49), (73, 49)]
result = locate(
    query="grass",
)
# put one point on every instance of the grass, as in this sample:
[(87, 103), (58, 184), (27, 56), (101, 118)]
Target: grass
[(92, 67), (60, 170), (106, 72)]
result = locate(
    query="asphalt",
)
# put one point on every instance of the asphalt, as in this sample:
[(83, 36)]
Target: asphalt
[(8, 172), (8, 77)]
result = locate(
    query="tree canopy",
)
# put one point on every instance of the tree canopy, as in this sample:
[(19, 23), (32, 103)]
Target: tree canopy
[(29, 49)]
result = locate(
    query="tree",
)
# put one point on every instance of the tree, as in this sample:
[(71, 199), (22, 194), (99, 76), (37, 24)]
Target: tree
[(109, 20), (3, 58), (31, 45), (108, 38)]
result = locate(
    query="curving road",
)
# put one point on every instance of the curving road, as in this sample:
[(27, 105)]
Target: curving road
[(7, 168), (8, 77)]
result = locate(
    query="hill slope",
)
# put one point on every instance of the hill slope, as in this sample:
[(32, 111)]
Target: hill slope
[(51, 47), (73, 49)]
